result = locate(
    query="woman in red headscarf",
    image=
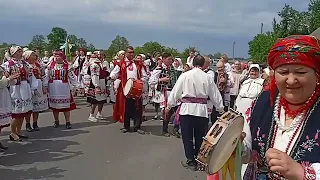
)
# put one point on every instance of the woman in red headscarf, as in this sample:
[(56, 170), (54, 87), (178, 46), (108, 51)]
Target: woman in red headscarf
[(282, 130), (59, 76)]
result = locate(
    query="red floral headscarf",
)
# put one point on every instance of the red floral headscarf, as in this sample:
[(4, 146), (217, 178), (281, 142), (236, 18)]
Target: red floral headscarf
[(297, 49), (61, 54)]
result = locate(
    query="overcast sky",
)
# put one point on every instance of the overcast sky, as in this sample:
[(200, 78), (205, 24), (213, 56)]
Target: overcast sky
[(210, 25)]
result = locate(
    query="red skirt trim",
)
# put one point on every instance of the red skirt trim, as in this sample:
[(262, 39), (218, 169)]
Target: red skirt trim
[(72, 106), (21, 115)]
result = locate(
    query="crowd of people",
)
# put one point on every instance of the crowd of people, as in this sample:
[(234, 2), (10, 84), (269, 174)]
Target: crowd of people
[(279, 101)]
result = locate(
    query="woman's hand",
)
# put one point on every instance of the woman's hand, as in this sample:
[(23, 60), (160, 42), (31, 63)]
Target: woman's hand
[(280, 162), (13, 76)]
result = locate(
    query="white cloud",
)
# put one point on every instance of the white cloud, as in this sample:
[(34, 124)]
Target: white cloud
[(225, 17)]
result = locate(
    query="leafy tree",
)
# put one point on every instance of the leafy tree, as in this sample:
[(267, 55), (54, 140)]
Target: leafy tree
[(185, 53), (56, 38), (81, 43), (38, 42), (152, 47), (260, 46), (172, 51), (119, 43), (90, 47), (217, 55), (314, 14)]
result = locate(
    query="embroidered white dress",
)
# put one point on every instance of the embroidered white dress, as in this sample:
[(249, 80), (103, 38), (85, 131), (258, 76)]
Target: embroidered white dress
[(5, 103), (23, 89), (145, 94), (39, 100), (97, 88), (113, 85), (249, 90), (58, 77)]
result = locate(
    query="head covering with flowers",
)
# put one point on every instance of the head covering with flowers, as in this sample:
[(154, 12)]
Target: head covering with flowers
[(298, 49)]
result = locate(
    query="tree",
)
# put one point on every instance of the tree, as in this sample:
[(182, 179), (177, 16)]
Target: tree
[(119, 43), (260, 46), (185, 53), (217, 55), (172, 51), (152, 47), (91, 48), (38, 42), (83, 43), (56, 38), (314, 14)]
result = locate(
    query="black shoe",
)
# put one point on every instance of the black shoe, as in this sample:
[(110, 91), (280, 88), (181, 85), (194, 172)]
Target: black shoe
[(35, 126), (189, 164), (28, 127), (124, 130), (13, 139), (176, 133), (166, 134), (22, 136), (68, 125), (56, 124), (3, 147)]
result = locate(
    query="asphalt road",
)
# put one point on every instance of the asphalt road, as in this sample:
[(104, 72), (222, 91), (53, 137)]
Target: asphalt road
[(94, 151)]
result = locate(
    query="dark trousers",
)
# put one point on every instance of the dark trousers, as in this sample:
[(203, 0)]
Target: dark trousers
[(132, 112), (232, 100), (166, 121), (192, 127)]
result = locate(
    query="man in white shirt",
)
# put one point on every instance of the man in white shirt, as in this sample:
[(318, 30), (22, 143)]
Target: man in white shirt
[(194, 89), (126, 108)]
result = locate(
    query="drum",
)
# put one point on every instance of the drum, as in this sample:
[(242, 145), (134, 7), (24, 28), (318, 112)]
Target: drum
[(220, 141), (133, 89)]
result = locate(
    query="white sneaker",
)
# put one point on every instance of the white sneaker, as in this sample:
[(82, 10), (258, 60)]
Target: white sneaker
[(100, 117), (93, 119)]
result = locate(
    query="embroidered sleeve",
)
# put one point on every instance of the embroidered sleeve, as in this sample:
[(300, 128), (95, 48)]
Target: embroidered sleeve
[(311, 171), (72, 78)]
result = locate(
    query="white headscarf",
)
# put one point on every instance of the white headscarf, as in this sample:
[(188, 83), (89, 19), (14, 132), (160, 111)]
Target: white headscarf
[(12, 50), (254, 66), (26, 54), (180, 67), (118, 54), (267, 71), (190, 65)]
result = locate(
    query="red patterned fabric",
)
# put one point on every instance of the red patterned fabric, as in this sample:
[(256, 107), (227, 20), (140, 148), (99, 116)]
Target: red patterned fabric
[(61, 54), (299, 49)]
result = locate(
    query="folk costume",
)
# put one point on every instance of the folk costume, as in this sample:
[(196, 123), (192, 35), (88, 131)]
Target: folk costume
[(25, 86), (78, 66), (97, 87), (59, 75), (113, 85), (39, 100), (250, 90), (126, 108), (163, 90), (5, 103), (266, 118), (194, 89)]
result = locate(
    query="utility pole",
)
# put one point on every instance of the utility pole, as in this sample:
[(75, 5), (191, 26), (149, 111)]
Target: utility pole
[(261, 28), (234, 43)]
